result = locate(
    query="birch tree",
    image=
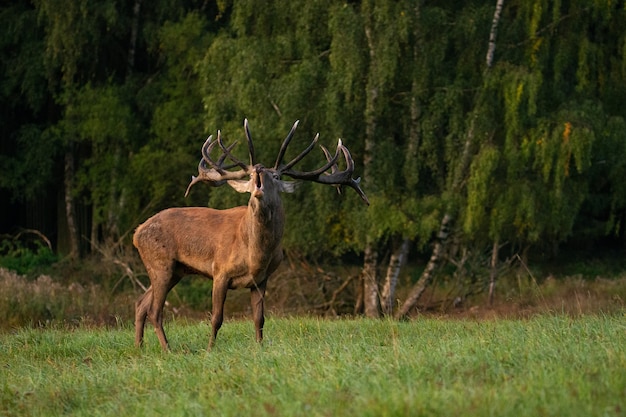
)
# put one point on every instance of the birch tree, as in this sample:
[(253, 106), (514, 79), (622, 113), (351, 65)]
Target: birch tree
[(456, 187)]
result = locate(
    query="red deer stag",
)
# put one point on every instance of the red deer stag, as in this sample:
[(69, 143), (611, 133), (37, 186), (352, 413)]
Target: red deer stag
[(238, 247)]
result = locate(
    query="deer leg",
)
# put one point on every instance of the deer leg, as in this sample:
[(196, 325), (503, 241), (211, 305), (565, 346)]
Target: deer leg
[(160, 289), (257, 296), (155, 314), (220, 287), (141, 312)]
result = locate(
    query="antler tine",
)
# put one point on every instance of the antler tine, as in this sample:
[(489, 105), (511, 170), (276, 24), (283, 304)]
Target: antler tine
[(249, 139), (219, 165), (221, 159), (206, 157), (215, 173), (283, 147), (302, 155), (227, 152), (345, 177), (204, 172), (351, 182), (310, 175), (333, 168), (199, 178)]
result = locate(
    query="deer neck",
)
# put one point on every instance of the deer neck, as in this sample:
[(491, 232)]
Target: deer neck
[(265, 223)]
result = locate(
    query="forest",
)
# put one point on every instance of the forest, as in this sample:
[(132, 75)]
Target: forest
[(485, 133)]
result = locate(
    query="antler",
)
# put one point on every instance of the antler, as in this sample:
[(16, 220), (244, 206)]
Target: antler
[(320, 175), (216, 173), (335, 177), (283, 147)]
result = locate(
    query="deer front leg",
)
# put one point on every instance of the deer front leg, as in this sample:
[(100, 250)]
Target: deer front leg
[(220, 287), (257, 299)]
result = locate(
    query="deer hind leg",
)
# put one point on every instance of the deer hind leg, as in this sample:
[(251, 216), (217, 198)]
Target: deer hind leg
[(150, 305), (160, 289), (155, 315), (141, 312), (220, 287), (257, 299)]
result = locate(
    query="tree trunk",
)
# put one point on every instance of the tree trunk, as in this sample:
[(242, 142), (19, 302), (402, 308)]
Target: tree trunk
[(358, 302), (70, 209), (115, 201), (493, 33), (493, 273), (369, 278), (369, 275), (489, 62), (134, 30), (412, 161), (427, 275), (93, 241), (396, 262)]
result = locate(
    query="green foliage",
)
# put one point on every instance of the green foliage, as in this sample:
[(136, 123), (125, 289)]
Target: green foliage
[(415, 218), (347, 59), (543, 126), (479, 188), (24, 258), (98, 115), (31, 169), (72, 31), (22, 68), (98, 119), (562, 365), (386, 26), (167, 155)]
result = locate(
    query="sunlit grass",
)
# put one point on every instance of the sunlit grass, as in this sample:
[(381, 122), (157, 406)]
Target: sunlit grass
[(547, 365)]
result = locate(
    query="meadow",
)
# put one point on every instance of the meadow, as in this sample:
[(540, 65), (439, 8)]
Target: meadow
[(545, 365)]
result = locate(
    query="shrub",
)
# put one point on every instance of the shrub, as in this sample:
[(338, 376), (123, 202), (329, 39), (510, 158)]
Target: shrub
[(25, 256)]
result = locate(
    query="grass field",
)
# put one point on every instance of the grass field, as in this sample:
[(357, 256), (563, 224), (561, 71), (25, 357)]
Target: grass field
[(552, 365)]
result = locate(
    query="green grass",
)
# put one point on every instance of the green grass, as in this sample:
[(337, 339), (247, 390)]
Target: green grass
[(551, 365)]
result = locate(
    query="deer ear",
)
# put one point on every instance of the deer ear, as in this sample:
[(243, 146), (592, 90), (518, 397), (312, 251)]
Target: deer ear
[(288, 186), (241, 186)]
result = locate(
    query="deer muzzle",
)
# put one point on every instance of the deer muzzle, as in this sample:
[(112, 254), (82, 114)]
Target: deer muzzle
[(258, 184)]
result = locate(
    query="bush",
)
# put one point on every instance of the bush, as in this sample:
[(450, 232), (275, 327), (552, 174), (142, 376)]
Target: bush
[(24, 256)]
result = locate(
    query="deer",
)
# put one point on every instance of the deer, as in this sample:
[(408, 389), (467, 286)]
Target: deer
[(239, 247)]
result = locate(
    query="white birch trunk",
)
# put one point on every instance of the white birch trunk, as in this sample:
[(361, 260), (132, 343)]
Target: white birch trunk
[(493, 274), (369, 277), (396, 262), (70, 209)]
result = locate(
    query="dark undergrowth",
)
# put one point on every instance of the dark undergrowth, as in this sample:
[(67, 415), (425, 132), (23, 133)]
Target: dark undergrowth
[(38, 289), (47, 299)]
